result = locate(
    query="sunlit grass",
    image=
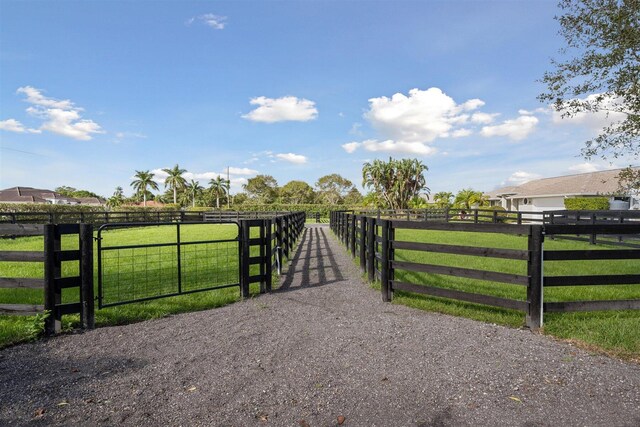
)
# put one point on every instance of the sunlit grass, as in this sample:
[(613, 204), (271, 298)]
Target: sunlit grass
[(616, 332), (149, 274)]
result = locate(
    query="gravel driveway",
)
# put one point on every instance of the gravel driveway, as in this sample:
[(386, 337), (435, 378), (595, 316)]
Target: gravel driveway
[(323, 346)]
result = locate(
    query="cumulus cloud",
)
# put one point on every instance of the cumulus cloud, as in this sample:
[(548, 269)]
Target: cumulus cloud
[(390, 146), (287, 108), (58, 116), (514, 129), (12, 125), (297, 159), (420, 117), (520, 177), (217, 22), (411, 123)]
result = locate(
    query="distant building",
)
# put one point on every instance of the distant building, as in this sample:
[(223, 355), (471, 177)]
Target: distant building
[(548, 194), (35, 195)]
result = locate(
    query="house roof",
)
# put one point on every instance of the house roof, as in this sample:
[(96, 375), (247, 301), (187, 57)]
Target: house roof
[(36, 195), (583, 184)]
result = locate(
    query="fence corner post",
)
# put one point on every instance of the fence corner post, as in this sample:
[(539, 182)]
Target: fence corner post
[(87, 307), (535, 299)]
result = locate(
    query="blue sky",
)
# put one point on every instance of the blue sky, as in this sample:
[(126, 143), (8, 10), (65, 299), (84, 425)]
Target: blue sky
[(92, 91)]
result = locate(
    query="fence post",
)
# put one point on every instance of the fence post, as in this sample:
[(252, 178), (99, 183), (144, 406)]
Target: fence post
[(353, 235), (592, 238), (279, 241), (371, 249), (52, 270), (362, 248), (475, 216), (621, 220), (535, 289), (244, 258), (87, 307), (268, 254), (385, 276)]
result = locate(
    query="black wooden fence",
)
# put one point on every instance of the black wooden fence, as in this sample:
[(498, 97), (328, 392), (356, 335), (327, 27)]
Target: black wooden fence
[(53, 282), (275, 240), (374, 241)]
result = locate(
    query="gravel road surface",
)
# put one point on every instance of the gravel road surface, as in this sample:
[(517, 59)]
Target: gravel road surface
[(321, 350)]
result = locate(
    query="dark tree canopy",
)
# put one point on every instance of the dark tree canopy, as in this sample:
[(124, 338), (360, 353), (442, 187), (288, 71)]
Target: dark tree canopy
[(600, 71)]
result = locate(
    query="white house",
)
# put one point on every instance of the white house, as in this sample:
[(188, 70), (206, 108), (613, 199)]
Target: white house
[(548, 194), (35, 195)]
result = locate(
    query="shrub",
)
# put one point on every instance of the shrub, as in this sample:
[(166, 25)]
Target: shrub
[(587, 204)]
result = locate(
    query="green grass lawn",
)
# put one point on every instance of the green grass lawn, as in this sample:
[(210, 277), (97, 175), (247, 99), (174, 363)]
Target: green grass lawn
[(616, 332), (132, 273)]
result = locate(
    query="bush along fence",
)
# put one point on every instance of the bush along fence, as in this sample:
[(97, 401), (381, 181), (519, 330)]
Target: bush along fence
[(130, 273), (373, 240)]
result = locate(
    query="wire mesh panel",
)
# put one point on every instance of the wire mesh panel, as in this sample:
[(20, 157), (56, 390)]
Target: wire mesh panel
[(139, 262)]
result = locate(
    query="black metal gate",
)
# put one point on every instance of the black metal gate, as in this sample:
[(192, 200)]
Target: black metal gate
[(145, 261)]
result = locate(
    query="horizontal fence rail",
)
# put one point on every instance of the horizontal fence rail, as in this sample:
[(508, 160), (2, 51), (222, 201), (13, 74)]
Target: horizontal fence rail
[(371, 236), (144, 270), (53, 281)]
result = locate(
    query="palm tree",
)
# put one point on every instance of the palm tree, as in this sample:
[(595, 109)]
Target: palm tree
[(443, 198), (468, 197), (143, 181), (175, 180), (218, 187), (117, 199), (395, 181), (195, 190)]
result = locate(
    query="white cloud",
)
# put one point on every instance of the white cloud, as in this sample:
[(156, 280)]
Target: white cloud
[(483, 118), (593, 120), (585, 168), (519, 178), (422, 116), (35, 97), (515, 129), (61, 117), (240, 171), (12, 125), (350, 147), (287, 108), (459, 133), (390, 146), (292, 158), (217, 22)]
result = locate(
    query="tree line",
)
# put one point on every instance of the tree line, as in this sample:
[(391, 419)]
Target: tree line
[(392, 184)]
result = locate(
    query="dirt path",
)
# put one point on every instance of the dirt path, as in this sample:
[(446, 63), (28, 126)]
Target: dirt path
[(322, 346)]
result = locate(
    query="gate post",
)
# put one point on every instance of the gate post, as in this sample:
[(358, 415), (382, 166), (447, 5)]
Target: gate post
[(52, 270), (87, 307), (535, 299), (244, 258)]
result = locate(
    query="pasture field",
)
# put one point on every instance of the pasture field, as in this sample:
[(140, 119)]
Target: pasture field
[(616, 332), (134, 273)]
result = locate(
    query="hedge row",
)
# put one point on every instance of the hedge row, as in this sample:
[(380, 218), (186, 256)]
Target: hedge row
[(587, 203)]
